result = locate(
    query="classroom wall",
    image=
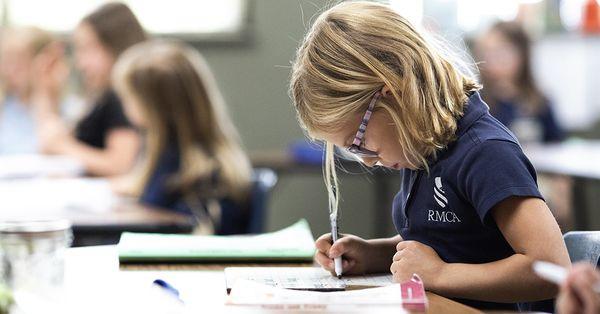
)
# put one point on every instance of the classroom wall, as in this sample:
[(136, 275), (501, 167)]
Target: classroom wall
[(254, 79)]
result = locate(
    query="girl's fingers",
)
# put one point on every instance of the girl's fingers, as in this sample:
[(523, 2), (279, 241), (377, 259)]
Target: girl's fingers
[(323, 243), (324, 261), (567, 302), (583, 288), (348, 266), (397, 256), (341, 247)]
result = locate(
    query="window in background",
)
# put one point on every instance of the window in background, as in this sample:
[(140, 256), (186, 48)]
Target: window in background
[(410, 9), (571, 13), (221, 20), (456, 17)]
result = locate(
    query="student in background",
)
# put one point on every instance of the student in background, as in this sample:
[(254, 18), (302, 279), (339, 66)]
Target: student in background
[(19, 51), (103, 140), (577, 293), (509, 87), (469, 215), (193, 161), (515, 99)]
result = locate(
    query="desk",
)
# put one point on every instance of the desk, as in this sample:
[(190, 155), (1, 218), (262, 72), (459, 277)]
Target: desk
[(94, 268), (106, 228), (579, 160), (97, 215)]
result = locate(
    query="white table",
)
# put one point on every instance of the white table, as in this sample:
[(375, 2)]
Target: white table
[(96, 213), (94, 283), (579, 160)]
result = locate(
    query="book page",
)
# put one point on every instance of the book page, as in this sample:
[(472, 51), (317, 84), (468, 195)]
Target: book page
[(303, 278)]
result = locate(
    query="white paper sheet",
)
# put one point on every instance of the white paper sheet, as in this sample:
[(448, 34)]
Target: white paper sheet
[(302, 278), (249, 292)]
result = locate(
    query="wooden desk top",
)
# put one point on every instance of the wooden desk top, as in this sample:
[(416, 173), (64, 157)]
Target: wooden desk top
[(202, 286)]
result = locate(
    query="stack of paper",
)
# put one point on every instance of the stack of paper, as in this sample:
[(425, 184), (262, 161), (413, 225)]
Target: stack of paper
[(394, 298), (292, 244), (249, 293)]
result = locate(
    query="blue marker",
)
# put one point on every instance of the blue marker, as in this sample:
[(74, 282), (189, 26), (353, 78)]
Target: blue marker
[(168, 288)]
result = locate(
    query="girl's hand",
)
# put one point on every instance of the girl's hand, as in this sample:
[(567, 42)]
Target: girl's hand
[(49, 75), (359, 256), (413, 257), (54, 136), (577, 293)]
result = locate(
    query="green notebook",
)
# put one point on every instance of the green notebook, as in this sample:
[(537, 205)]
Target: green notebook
[(292, 244)]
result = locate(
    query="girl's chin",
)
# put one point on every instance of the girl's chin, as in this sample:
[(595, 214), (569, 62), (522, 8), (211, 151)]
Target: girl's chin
[(395, 166)]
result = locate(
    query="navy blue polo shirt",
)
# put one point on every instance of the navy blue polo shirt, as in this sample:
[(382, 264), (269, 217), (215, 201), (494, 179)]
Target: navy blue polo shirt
[(508, 113), (449, 208), (159, 193)]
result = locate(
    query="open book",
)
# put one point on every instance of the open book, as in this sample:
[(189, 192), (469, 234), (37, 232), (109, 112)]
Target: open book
[(292, 244)]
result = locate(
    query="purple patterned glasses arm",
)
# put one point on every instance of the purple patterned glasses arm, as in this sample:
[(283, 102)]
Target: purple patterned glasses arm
[(356, 147)]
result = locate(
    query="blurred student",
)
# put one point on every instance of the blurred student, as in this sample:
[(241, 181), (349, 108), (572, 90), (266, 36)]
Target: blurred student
[(509, 87), (103, 140), (20, 47), (192, 160), (469, 216), (577, 293), (514, 98)]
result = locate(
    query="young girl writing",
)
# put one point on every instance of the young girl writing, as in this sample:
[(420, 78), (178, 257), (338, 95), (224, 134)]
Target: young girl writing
[(193, 161), (469, 215)]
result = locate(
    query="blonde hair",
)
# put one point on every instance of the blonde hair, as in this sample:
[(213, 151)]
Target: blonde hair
[(34, 39), (180, 100), (352, 51)]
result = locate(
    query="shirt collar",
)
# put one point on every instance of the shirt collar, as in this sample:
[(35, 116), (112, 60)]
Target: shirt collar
[(474, 109)]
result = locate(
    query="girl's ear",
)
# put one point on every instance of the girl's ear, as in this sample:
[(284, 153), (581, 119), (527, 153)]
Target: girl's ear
[(385, 91)]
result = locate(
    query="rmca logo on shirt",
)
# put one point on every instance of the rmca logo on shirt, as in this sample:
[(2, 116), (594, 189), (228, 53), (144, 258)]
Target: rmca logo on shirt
[(439, 195)]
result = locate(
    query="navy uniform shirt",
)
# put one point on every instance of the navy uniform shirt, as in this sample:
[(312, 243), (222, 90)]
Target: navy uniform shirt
[(449, 208), (508, 113), (159, 193)]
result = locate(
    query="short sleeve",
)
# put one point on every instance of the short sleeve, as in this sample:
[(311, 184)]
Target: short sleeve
[(115, 115), (493, 171)]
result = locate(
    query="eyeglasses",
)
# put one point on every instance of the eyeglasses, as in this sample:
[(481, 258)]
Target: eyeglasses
[(356, 148)]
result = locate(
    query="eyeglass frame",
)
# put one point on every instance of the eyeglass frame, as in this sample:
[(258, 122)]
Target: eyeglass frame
[(356, 148)]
